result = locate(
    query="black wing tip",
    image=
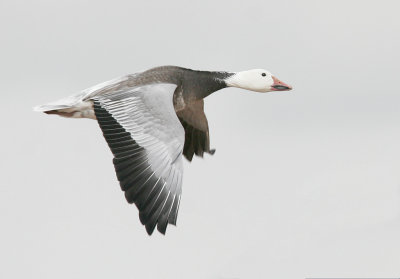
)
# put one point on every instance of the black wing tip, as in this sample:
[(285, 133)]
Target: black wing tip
[(150, 228), (188, 157), (161, 228), (150, 225)]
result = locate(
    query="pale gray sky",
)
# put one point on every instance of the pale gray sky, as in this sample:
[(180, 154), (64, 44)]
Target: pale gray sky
[(303, 184)]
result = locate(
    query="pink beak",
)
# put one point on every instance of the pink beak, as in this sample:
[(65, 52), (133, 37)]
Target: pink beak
[(279, 85)]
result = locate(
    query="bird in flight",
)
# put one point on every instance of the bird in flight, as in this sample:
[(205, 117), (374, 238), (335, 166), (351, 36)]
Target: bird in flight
[(149, 120)]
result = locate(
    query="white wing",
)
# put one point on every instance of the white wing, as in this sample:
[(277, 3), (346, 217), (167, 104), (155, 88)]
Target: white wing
[(147, 139)]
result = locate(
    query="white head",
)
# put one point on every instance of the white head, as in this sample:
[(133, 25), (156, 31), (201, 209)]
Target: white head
[(258, 80)]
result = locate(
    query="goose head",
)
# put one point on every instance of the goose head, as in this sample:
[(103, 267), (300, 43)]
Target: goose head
[(258, 80)]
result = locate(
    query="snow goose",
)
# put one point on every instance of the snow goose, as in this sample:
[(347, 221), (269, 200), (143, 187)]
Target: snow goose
[(149, 120)]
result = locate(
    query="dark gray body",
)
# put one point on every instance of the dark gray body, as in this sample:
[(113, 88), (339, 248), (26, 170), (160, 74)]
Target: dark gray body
[(192, 87)]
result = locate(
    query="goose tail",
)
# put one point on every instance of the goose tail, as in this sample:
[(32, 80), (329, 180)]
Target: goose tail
[(81, 109)]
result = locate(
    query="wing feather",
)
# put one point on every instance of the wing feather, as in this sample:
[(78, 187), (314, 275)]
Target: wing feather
[(147, 140), (197, 138)]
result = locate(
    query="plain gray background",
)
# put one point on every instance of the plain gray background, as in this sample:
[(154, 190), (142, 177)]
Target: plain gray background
[(303, 184)]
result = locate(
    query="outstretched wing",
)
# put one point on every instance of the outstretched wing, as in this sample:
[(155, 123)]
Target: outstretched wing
[(144, 134), (197, 137)]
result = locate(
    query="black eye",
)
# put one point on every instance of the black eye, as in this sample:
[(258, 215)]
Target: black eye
[(263, 74)]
